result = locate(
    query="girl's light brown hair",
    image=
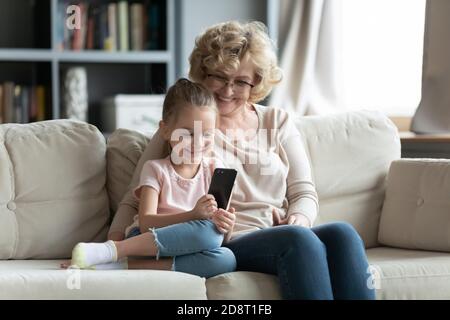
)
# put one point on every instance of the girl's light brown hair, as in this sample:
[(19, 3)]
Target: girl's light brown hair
[(222, 47), (183, 93)]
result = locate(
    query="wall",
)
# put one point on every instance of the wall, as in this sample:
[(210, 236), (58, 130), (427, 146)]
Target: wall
[(193, 16)]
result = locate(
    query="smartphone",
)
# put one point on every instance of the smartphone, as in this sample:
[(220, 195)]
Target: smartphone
[(221, 186)]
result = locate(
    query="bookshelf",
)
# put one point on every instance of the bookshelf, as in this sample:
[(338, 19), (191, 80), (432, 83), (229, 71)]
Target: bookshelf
[(31, 55)]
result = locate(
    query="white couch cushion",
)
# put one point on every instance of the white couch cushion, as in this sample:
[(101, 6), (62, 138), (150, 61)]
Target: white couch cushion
[(410, 274), (243, 285), (42, 279), (52, 182), (416, 211), (399, 274), (350, 156)]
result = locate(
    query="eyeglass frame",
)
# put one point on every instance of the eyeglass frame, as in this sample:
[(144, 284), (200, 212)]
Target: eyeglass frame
[(227, 81)]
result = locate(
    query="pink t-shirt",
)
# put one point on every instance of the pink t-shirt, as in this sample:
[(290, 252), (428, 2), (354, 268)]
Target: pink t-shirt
[(176, 194)]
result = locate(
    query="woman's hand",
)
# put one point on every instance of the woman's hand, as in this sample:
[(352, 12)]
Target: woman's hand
[(295, 219), (224, 220), (205, 207)]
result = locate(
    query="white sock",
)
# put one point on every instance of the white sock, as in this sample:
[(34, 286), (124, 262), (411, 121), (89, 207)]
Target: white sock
[(122, 264), (85, 255)]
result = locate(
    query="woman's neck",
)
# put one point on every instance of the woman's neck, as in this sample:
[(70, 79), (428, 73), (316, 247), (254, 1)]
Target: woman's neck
[(243, 118)]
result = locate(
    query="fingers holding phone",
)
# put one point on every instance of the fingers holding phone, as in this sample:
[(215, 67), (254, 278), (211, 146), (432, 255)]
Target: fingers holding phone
[(205, 207), (224, 220)]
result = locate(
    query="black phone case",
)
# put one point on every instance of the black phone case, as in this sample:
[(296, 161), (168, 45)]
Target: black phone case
[(221, 186)]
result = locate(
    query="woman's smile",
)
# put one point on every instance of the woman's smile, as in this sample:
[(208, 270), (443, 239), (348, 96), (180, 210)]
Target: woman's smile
[(223, 99)]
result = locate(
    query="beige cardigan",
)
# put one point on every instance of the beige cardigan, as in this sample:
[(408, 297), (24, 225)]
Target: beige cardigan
[(276, 174)]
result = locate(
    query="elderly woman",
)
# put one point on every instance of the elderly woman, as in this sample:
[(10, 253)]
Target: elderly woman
[(274, 195)]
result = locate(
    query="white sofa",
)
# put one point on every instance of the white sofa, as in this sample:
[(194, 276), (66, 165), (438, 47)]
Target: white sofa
[(59, 181)]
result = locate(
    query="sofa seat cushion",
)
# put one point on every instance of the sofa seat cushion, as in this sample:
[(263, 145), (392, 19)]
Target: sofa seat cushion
[(410, 274), (42, 279), (243, 285), (399, 274), (52, 188)]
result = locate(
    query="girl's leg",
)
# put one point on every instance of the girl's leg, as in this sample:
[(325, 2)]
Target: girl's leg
[(295, 254), (151, 264), (137, 245), (174, 240), (141, 245), (188, 237), (203, 264), (347, 261), (207, 263)]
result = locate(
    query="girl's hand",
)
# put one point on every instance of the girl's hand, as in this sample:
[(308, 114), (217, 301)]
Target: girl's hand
[(205, 207), (224, 220), (295, 219)]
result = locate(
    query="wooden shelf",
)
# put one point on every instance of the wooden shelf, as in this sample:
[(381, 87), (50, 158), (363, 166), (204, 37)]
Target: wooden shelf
[(85, 56), (425, 145), (412, 137), (25, 55), (113, 57)]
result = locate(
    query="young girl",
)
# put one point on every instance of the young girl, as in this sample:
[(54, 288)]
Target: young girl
[(175, 212)]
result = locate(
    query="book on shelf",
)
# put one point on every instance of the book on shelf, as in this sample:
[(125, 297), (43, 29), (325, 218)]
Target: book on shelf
[(79, 35), (137, 13), (112, 26), (153, 25), (123, 25), (21, 104), (111, 41)]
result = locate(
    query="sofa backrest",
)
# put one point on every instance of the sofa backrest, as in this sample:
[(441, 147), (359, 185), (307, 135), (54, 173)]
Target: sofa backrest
[(52, 188), (350, 155), (53, 177)]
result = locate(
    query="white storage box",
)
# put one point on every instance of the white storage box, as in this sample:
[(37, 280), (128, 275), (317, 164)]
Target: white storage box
[(141, 112)]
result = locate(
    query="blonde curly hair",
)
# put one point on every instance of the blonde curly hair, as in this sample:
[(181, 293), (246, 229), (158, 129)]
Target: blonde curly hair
[(224, 45)]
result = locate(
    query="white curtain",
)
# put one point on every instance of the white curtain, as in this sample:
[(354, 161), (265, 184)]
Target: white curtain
[(433, 113), (311, 57)]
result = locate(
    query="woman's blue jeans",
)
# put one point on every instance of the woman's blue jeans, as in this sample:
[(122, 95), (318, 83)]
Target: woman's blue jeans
[(195, 246), (325, 262)]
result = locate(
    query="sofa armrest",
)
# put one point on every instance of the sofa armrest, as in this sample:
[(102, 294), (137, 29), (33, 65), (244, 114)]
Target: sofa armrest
[(416, 208)]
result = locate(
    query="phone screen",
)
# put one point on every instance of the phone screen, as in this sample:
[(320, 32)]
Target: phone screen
[(221, 186)]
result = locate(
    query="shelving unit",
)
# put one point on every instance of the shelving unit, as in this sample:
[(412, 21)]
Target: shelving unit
[(29, 51), (29, 55)]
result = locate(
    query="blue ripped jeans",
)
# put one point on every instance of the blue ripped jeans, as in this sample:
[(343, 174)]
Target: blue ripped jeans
[(195, 247)]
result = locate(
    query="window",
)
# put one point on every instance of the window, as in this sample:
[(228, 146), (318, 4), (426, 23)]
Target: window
[(382, 54)]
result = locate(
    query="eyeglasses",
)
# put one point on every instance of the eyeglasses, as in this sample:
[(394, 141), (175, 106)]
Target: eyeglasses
[(239, 86)]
